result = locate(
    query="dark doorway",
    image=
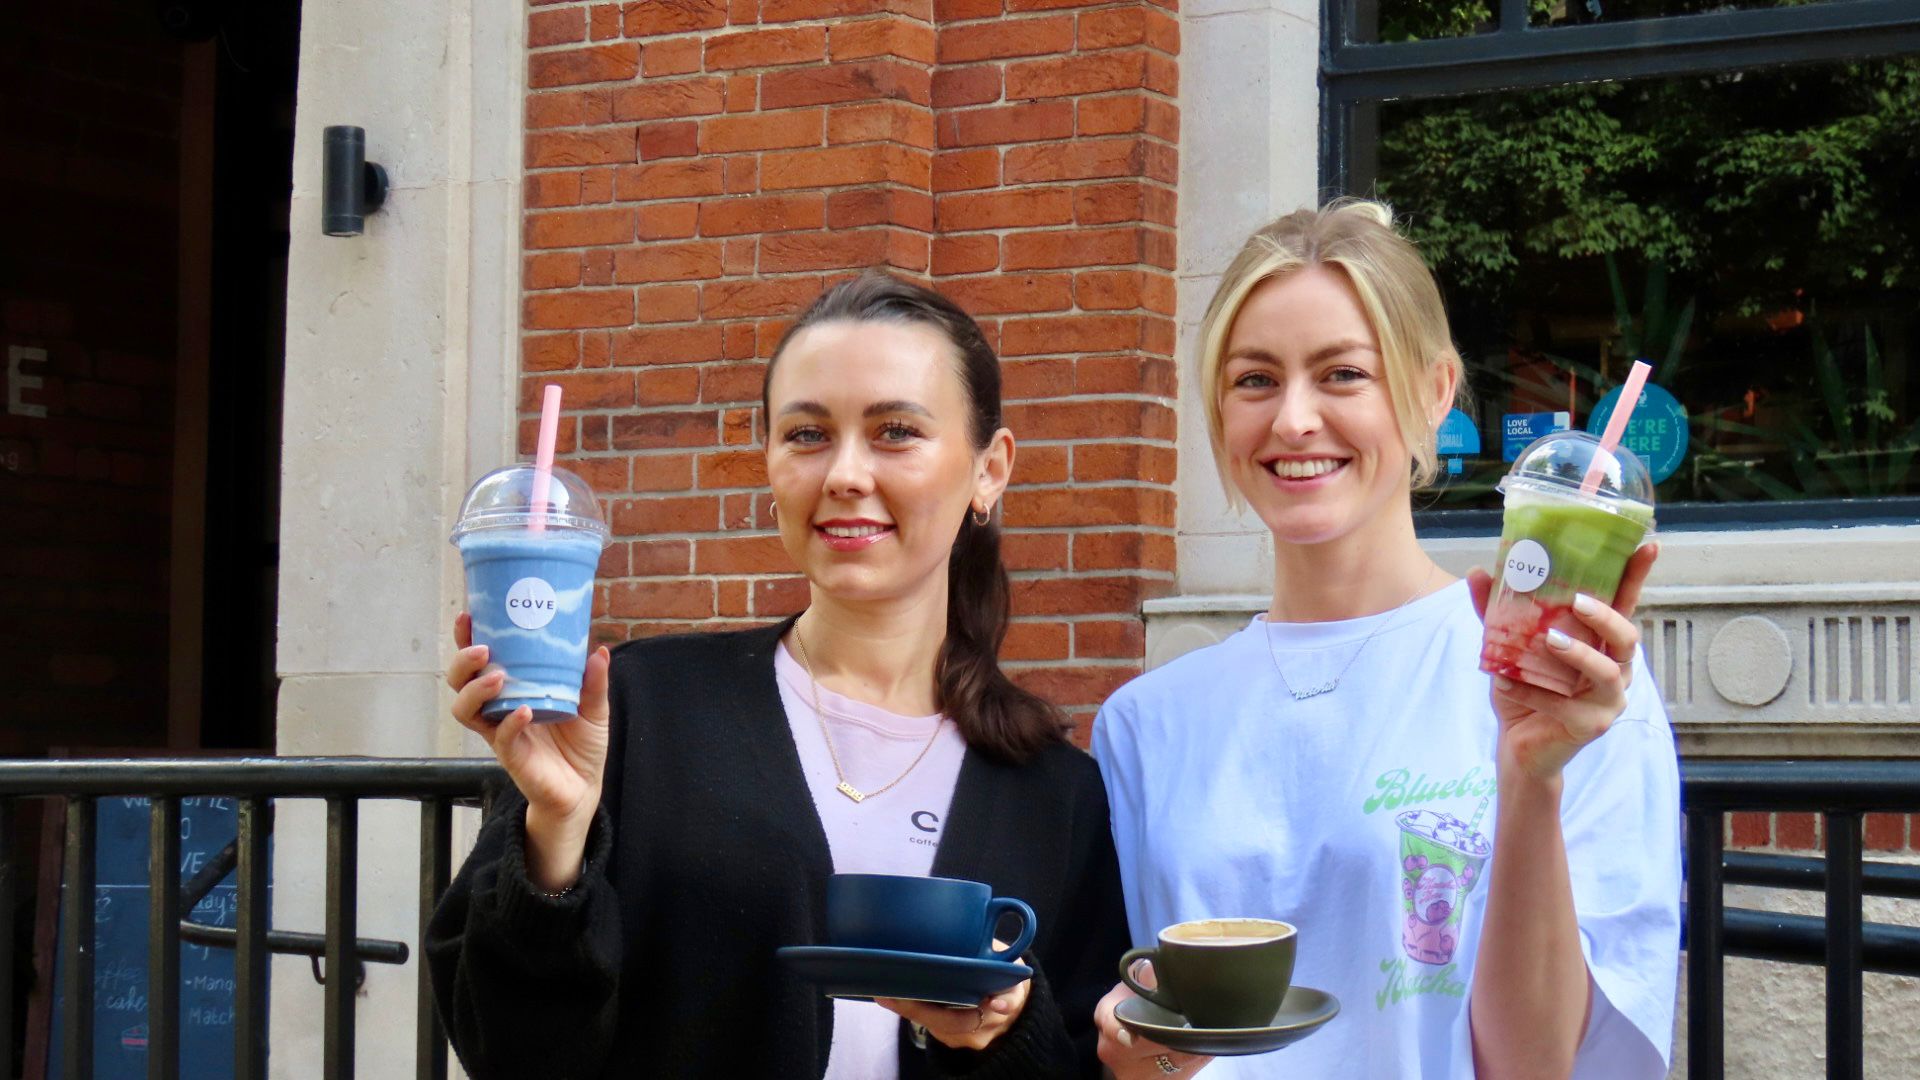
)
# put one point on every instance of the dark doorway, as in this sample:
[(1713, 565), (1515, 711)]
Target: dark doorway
[(146, 152), (145, 168), (258, 51)]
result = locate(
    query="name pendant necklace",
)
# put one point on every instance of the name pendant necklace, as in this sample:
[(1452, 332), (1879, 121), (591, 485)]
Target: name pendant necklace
[(843, 787), (1328, 687)]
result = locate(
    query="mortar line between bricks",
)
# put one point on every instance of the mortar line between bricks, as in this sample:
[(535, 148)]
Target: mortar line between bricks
[(1030, 575), (1092, 572), (1023, 530), (1089, 573), (1076, 660), (1037, 486), (1104, 95), (1000, 233), (625, 410), (1042, 185), (711, 448), (1137, 312)]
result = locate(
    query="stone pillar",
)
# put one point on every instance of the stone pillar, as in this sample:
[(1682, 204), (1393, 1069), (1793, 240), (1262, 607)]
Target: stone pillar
[(398, 392), (1252, 123)]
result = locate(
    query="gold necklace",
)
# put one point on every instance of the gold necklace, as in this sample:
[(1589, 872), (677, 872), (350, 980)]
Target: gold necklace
[(843, 787)]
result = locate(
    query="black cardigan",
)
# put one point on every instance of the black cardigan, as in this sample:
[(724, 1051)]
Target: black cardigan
[(706, 856)]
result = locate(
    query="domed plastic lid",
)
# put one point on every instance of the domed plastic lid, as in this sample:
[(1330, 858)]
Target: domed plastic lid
[(503, 499), (1557, 464)]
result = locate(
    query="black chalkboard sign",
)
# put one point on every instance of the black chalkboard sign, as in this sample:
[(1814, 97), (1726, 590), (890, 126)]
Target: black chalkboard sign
[(120, 940)]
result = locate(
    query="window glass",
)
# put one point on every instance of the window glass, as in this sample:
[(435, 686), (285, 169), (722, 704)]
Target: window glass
[(1579, 12), (1388, 21), (1754, 235), (1421, 20)]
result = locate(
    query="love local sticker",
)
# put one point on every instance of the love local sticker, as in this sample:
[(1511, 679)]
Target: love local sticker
[(531, 603), (1527, 565)]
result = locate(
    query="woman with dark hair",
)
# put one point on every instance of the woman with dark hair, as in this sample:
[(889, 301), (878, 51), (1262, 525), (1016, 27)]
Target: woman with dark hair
[(621, 910)]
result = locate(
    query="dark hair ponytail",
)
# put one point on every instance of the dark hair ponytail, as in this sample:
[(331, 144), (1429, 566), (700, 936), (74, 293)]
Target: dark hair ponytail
[(993, 713)]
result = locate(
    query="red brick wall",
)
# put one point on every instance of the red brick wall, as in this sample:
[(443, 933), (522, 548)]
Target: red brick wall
[(1754, 831), (90, 92), (698, 170)]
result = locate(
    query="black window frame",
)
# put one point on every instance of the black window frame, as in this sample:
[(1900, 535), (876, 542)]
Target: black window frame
[(1356, 76)]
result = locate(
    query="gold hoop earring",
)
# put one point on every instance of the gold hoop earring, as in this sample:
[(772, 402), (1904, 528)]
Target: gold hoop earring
[(983, 518), (773, 512)]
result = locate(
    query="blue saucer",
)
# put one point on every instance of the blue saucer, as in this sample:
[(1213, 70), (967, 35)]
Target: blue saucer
[(865, 974)]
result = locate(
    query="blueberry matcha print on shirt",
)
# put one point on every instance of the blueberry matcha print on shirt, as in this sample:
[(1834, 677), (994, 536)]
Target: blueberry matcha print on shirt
[(1442, 860), (1397, 788)]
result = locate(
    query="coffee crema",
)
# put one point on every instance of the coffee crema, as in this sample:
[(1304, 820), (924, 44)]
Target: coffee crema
[(1227, 932)]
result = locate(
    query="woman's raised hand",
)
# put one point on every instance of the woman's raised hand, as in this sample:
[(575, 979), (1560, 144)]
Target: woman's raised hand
[(1541, 730), (557, 766)]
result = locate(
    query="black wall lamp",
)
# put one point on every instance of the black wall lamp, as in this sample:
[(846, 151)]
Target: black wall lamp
[(351, 187)]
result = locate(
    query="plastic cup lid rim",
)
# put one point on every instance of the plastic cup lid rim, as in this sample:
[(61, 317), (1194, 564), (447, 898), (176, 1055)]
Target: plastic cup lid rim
[(503, 500), (1554, 485), (519, 522)]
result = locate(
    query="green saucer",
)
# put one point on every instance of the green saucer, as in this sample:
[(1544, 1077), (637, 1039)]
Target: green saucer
[(1301, 1014)]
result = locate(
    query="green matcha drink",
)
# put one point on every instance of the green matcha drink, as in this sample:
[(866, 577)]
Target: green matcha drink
[(1556, 541)]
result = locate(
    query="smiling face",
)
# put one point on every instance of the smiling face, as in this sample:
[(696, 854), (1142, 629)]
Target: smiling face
[(1310, 436), (871, 459)]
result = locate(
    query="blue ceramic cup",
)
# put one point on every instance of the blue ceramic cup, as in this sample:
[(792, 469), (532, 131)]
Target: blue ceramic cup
[(944, 916)]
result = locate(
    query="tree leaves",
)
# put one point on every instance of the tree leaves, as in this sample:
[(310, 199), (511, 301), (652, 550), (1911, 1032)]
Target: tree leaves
[(1764, 182)]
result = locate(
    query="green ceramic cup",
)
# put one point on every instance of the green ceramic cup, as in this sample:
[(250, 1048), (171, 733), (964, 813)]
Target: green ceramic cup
[(1219, 973)]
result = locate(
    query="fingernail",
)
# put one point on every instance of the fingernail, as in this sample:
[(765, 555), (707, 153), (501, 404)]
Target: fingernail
[(1586, 605), (1503, 682), (1558, 640), (1123, 1037)]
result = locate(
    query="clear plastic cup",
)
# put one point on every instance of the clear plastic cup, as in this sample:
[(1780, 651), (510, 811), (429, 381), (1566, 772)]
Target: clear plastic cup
[(530, 592), (1557, 540)]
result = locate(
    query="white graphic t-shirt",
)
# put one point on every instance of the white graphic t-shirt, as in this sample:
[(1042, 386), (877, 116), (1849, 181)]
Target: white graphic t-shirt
[(1364, 815), (894, 832)]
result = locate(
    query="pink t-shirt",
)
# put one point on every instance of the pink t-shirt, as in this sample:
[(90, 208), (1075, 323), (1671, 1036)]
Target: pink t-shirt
[(894, 832)]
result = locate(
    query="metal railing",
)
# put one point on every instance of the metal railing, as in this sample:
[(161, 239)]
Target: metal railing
[(1843, 791), (436, 784)]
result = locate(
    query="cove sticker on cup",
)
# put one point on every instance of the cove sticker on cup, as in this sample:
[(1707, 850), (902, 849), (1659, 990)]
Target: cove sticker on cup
[(531, 603), (1527, 566)]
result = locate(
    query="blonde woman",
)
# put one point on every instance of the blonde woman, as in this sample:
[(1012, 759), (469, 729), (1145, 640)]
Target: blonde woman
[(1486, 874)]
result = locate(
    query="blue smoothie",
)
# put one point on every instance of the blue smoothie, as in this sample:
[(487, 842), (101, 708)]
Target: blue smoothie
[(531, 598)]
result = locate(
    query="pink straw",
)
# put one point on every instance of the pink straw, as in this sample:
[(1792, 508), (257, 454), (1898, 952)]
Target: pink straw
[(1628, 401), (543, 455)]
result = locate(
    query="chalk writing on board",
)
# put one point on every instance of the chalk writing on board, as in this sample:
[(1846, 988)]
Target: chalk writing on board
[(120, 974)]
